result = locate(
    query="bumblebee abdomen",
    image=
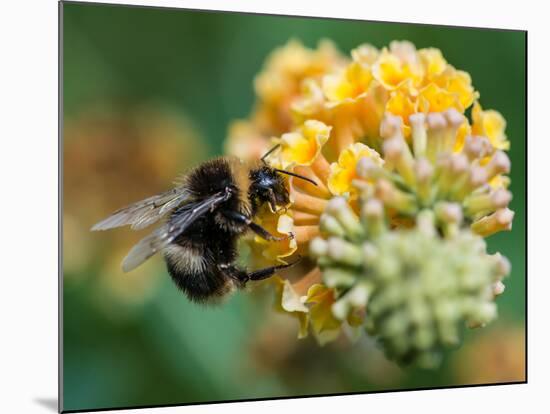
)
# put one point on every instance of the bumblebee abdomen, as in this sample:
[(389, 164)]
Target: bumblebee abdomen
[(196, 274)]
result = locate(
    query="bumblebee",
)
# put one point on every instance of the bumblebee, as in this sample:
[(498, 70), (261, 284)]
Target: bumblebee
[(205, 214)]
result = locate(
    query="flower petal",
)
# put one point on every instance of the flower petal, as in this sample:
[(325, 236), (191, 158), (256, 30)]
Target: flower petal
[(490, 123), (302, 146), (325, 326), (433, 61), (278, 225), (343, 172), (288, 301)]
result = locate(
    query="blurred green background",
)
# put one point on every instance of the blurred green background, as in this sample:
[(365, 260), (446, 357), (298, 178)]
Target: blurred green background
[(148, 92)]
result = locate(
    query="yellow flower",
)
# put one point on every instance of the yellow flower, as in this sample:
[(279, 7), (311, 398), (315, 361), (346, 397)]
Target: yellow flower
[(279, 83), (343, 172), (351, 119), (287, 65), (325, 326), (398, 66), (459, 83), (401, 104), (433, 61), (349, 84), (432, 98), (302, 146), (438, 71), (278, 225), (491, 124)]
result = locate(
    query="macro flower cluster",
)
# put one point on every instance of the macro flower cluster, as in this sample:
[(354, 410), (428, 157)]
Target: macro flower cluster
[(411, 176)]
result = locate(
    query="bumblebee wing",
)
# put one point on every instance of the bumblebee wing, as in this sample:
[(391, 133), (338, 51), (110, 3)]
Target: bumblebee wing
[(145, 212), (167, 233)]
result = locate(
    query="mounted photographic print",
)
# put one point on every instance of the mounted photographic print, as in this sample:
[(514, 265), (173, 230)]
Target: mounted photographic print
[(261, 206)]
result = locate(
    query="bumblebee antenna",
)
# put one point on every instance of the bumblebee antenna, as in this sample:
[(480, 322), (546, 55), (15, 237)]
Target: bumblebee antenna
[(309, 180), (269, 152)]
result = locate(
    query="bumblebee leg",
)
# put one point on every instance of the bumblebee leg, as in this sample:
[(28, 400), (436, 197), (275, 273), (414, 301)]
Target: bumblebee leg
[(269, 271), (234, 272), (264, 234), (241, 276), (256, 228)]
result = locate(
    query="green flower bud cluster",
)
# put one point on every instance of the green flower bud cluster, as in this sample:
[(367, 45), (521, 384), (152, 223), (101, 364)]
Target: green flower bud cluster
[(436, 167), (415, 288)]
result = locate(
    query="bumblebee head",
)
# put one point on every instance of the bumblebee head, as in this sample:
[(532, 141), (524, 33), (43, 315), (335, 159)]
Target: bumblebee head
[(268, 185)]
